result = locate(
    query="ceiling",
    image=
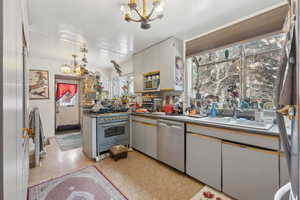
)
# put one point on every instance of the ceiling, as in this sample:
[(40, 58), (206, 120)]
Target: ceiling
[(59, 28)]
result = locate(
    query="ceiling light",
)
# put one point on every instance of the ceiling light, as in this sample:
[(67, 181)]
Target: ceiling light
[(75, 68), (132, 10)]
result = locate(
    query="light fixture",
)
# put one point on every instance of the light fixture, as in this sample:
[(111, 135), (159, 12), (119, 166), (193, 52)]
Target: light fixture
[(75, 68), (143, 14), (66, 69), (81, 69)]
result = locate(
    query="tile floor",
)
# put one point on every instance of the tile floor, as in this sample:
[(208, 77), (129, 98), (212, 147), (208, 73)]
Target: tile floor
[(138, 177)]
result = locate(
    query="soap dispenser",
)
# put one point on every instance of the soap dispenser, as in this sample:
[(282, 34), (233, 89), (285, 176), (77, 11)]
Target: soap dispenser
[(213, 110)]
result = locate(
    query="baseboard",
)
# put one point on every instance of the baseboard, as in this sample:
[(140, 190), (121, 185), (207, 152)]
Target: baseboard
[(68, 127)]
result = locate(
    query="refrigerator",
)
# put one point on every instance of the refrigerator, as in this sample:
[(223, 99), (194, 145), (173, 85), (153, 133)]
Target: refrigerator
[(287, 102)]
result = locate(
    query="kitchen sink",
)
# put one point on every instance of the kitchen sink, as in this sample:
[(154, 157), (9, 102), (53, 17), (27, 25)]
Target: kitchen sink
[(219, 120), (238, 122), (252, 124)]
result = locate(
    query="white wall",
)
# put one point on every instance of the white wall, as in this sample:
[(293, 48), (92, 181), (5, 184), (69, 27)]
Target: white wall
[(46, 107)]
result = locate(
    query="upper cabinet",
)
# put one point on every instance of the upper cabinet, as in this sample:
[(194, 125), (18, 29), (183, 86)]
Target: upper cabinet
[(138, 63), (166, 57)]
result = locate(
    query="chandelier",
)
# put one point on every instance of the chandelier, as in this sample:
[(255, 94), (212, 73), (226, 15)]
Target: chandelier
[(76, 68), (144, 16)]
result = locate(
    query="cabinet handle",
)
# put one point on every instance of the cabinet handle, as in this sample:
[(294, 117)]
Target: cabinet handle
[(206, 137), (145, 123), (253, 148)]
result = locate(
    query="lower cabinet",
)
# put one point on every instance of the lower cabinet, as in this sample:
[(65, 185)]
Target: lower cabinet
[(249, 173), (203, 159), (138, 136), (144, 137)]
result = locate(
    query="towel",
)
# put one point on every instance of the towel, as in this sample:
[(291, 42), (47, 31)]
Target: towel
[(40, 133)]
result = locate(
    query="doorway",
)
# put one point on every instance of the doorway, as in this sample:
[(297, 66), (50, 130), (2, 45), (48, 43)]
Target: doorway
[(67, 112)]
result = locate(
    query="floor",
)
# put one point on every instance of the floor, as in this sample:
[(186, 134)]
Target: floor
[(138, 177)]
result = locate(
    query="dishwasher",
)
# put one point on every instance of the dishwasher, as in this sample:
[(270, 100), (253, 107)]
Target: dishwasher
[(171, 141)]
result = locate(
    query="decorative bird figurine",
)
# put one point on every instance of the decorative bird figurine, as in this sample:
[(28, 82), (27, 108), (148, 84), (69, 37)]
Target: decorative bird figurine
[(117, 67)]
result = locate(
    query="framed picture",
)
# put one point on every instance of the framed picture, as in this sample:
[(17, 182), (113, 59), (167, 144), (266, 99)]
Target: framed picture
[(38, 84)]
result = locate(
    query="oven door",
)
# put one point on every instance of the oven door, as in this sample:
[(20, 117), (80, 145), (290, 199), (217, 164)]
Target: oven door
[(113, 133)]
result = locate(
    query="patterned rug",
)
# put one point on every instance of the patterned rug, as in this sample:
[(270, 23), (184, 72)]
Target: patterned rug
[(209, 193), (86, 184), (69, 141)]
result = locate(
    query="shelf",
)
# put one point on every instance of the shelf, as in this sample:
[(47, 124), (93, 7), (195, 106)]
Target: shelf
[(151, 97), (152, 73), (152, 91)]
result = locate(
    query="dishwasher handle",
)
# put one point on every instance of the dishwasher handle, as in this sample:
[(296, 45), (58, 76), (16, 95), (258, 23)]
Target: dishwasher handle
[(176, 126), (162, 124), (171, 123)]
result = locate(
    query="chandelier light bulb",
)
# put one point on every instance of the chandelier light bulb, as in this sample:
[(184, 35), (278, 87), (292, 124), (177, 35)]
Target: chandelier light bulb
[(145, 15)]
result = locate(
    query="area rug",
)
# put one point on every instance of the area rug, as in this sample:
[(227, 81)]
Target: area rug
[(86, 184), (69, 141), (208, 193)]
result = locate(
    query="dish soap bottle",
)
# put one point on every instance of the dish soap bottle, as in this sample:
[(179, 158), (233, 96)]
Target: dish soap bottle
[(213, 110)]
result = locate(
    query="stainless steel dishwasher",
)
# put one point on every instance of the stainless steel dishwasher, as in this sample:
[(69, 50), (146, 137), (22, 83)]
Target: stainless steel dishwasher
[(171, 143)]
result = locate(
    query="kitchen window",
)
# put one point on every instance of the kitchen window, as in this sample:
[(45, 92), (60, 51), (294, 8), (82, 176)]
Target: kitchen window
[(123, 85), (251, 68)]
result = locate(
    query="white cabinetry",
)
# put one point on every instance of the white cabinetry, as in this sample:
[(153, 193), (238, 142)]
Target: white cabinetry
[(160, 57), (203, 159), (138, 136), (144, 136), (138, 65), (169, 51), (151, 59), (249, 173)]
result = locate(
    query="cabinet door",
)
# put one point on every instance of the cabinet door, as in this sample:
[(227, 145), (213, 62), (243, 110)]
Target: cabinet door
[(249, 173), (203, 159), (138, 66), (167, 64), (138, 137), (150, 139)]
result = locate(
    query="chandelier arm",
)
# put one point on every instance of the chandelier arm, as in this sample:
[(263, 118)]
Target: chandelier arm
[(153, 19), (135, 20), (151, 13), (138, 12)]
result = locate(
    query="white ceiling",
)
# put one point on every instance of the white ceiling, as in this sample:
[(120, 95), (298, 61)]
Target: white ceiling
[(60, 27)]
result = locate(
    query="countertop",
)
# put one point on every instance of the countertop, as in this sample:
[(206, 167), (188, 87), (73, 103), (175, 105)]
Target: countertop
[(273, 131), (95, 115)]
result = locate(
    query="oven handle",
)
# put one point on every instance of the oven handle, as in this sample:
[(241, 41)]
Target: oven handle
[(114, 124)]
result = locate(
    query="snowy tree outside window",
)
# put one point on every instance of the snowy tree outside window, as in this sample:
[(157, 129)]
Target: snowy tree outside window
[(251, 67)]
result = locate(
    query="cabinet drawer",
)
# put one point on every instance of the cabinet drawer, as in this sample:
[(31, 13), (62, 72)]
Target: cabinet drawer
[(203, 159), (259, 140), (249, 173), (146, 120)]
